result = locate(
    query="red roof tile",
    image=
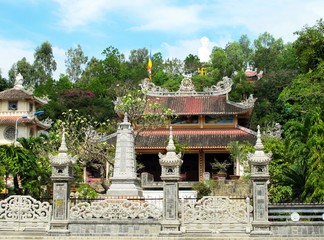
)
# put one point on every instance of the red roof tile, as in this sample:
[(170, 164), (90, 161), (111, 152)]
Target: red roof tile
[(12, 120), (196, 105), (192, 138)]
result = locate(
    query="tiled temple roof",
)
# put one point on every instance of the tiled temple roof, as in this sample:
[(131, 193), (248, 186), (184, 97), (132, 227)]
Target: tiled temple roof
[(192, 138), (19, 94), (5, 120), (197, 105)]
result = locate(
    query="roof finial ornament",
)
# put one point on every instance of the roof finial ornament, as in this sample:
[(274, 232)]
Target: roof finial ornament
[(171, 147), (63, 147), (258, 144), (126, 117)]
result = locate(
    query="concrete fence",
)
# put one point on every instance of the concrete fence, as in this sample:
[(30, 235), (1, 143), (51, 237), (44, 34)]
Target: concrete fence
[(211, 216)]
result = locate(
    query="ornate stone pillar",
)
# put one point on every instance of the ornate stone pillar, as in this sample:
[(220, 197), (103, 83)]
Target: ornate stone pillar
[(259, 162), (124, 179), (170, 174), (62, 176)]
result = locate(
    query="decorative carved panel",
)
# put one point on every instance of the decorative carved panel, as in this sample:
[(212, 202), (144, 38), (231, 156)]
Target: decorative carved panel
[(115, 209)]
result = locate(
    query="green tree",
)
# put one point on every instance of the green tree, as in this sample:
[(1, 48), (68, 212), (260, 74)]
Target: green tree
[(111, 64), (235, 56), (157, 60), (303, 136), (191, 64), (267, 51), (3, 83), (85, 138), (279, 189), (75, 61), (219, 63), (267, 108), (304, 93), (173, 66), (201, 81), (241, 88), (137, 65), (314, 189), (40, 146), (247, 51), (25, 69), (310, 46), (136, 105), (288, 60), (92, 70), (24, 167), (44, 63)]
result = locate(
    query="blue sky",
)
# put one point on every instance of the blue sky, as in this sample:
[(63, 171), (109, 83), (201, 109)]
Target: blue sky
[(172, 27)]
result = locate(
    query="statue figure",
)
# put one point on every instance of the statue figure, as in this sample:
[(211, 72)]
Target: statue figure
[(203, 51), (19, 81)]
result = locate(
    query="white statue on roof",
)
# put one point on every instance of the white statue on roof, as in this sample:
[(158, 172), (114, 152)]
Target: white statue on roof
[(19, 81)]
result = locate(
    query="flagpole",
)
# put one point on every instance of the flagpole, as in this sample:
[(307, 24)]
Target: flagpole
[(149, 66)]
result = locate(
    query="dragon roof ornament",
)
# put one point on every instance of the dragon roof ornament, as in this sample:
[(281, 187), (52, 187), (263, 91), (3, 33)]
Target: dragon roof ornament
[(187, 88), (222, 87), (149, 87), (247, 103)]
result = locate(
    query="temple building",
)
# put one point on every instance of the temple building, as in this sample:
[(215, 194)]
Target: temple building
[(18, 114), (205, 123), (252, 75)]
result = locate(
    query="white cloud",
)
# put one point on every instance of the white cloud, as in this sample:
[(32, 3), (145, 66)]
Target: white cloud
[(181, 49), (161, 16), (279, 17), (78, 13), (142, 15), (12, 51)]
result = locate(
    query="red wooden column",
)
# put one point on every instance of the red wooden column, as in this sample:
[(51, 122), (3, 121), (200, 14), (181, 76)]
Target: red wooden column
[(201, 161)]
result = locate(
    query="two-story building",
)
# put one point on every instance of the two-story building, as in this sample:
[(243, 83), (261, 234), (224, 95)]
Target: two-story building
[(18, 113), (205, 124)]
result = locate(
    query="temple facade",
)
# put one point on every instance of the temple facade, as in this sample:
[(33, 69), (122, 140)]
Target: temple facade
[(18, 113), (204, 124)]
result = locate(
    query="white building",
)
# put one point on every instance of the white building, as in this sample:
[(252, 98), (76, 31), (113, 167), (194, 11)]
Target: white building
[(17, 112)]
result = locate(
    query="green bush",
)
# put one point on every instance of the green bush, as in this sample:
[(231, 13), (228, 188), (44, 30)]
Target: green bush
[(85, 191), (204, 188)]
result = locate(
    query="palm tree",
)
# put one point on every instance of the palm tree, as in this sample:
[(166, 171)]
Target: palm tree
[(295, 176), (238, 153)]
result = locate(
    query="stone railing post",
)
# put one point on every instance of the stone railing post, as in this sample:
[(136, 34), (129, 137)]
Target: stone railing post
[(62, 176), (170, 174), (259, 162)]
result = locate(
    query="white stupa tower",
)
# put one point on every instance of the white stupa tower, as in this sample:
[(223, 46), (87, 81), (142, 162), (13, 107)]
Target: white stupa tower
[(123, 181)]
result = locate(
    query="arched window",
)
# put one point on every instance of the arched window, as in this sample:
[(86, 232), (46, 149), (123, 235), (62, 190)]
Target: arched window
[(9, 133)]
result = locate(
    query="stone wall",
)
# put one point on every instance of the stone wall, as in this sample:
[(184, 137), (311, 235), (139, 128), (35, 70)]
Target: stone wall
[(298, 229), (101, 227)]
